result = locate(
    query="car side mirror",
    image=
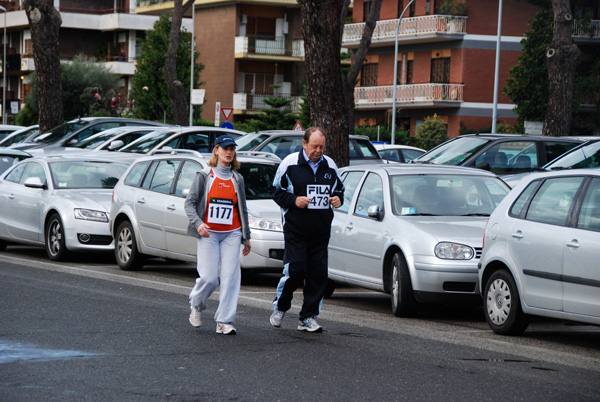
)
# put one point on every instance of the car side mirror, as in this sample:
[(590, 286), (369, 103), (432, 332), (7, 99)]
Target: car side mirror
[(72, 142), (34, 182), (185, 192), (374, 212), (116, 144)]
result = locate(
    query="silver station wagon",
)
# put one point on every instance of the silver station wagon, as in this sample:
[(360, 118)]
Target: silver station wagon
[(413, 231)]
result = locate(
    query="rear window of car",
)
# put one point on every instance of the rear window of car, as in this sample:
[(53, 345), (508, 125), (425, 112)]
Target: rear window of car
[(556, 149), (136, 174)]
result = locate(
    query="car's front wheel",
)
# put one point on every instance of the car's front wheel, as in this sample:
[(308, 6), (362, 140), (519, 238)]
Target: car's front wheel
[(503, 311), (55, 239), (126, 252), (404, 303)]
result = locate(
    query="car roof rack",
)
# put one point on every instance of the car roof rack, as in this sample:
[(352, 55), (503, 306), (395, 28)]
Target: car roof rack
[(259, 153), (176, 151)]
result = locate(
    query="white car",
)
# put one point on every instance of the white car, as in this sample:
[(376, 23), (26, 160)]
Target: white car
[(413, 231), (148, 218), (541, 252), (398, 153), (59, 203)]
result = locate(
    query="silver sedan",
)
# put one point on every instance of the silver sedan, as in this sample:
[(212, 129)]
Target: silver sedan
[(59, 203), (414, 232)]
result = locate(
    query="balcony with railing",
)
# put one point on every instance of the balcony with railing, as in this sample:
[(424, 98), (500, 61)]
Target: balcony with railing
[(252, 102), (412, 95), (586, 30), (281, 46), (429, 28)]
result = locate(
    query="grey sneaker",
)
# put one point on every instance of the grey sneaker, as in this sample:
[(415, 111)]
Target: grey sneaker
[(277, 318), (195, 317), (225, 329), (310, 325)]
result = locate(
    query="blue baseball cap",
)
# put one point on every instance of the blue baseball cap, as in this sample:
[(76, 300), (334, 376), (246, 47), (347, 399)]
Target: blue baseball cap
[(225, 141)]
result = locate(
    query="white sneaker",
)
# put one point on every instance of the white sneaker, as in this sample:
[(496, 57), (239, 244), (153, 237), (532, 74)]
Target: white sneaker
[(310, 325), (225, 329), (277, 318), (195, 317)]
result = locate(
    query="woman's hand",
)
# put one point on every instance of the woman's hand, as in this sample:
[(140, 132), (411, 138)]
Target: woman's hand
[(203, 230), (247, 248)]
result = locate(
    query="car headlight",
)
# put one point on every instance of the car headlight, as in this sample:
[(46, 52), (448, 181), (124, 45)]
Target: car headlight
[(453, 251), (264, 224), (90, 215)]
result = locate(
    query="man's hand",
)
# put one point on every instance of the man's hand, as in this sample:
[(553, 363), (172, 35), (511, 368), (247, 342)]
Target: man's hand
[(335, 201), (302, 202)]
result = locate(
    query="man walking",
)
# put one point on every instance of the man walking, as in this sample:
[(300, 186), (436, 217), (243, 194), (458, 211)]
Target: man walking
[(306, 185)]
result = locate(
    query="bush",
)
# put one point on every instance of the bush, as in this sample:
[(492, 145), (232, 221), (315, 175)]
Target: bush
[(431, 132), (402, 137)]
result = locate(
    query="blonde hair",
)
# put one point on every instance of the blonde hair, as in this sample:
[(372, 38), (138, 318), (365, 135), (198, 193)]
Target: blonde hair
[(212, 162)]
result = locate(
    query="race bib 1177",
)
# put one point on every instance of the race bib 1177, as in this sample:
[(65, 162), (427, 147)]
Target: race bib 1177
[(220, 210)]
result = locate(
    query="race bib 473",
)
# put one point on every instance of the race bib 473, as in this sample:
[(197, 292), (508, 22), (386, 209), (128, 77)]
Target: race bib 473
[(319, 196)]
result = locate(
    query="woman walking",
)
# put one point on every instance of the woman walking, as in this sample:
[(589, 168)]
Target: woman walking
[(216, 208)]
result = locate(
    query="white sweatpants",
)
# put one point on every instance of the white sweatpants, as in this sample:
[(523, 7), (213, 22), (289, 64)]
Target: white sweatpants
[(220, 248)]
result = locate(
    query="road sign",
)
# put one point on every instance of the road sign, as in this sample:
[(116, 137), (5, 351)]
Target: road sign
[(217, 113), (298, 127), (227, 111), (228, 125)]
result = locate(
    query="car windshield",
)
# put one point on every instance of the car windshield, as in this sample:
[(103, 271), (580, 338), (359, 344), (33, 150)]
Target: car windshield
[(250, 141), (147, 143), (446, 195), (86, 174), (258, 178), (97, 139), (584, 156), (453, 152), (57, 133)]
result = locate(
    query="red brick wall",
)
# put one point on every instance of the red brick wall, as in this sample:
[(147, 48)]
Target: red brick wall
[(216, 29)]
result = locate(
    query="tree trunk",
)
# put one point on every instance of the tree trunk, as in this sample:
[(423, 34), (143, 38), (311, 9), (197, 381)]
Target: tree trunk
[(563, 57), (175, 89), (44, 22), (321, 31)]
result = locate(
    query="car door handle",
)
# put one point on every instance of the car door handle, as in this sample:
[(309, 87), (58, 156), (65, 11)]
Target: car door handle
[(171, 207), (350, 226), (141, 201), (518, 234), (12, 196), (573, 244)]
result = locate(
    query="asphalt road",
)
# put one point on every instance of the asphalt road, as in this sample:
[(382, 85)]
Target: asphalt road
[(85, 330)]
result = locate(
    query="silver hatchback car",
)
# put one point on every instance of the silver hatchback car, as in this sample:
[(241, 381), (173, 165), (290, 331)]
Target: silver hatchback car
[(413, 231), (541, 253)]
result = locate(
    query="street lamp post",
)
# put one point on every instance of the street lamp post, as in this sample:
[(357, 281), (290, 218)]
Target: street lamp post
[(497, 69), (4, 70), (396, 72), (145, 89)]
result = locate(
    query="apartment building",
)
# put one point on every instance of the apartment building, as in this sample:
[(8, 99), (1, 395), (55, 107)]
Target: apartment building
[(446, 60), (251, 50), (446, 63), (105, 29)]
